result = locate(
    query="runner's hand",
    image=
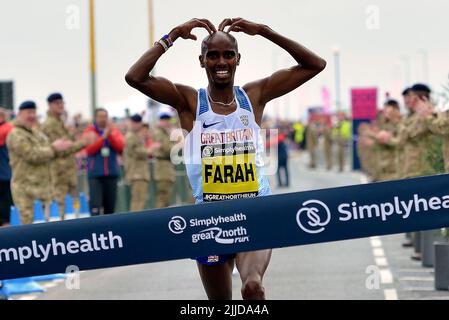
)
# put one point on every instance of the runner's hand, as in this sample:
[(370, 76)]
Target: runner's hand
[(241, 25), (185, 30)]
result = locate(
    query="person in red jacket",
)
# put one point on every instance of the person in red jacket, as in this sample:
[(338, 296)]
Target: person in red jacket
[(5, 170), (103, 169)]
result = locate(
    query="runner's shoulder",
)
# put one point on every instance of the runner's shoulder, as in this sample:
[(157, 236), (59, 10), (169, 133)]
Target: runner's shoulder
[(190, 98)]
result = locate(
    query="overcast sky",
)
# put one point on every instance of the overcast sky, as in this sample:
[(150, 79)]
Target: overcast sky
[(42, 54)]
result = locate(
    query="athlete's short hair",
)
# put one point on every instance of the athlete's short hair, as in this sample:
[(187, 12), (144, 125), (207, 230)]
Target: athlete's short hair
[(205, 43)]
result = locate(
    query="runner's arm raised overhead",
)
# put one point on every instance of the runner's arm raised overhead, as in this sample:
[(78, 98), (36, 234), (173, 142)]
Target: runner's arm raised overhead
[(159, 88), (282, 81)]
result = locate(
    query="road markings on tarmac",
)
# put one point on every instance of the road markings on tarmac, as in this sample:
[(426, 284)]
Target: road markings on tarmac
[(379, 252), (390, 294), (386, 277), (430, 279), (28, 298)]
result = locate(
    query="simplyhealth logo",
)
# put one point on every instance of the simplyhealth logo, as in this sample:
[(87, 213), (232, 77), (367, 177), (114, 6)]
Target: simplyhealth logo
[(212, 231), (314, 215)]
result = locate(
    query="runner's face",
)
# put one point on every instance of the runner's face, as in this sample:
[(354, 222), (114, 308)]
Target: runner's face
[(220, 60)]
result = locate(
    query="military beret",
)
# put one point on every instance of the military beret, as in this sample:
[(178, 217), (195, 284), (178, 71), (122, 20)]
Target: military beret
[(54, 96), (27, 105), (420, 87), (165, 115), (136, 118)]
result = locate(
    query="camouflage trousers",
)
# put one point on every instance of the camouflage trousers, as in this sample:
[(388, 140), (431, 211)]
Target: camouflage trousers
[(25, 204), (328, 156), (139, 195), (341, 149), (164, 190), (59, 193)]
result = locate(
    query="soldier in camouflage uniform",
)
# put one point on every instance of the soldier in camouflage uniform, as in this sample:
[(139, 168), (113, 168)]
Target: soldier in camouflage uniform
[(312, 142), (342, 136), (416, 138), (327, 145), (164, 170), (438, 124), (30, 153), (386, 154), (63, 169), (135, 159)]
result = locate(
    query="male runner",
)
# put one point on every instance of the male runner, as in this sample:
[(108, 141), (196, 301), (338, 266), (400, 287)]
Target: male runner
[(225, 115)]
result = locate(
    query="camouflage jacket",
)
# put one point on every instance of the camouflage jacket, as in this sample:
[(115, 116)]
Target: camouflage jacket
[(439, 124), (386, 155), (135, 158), (30, 153), (164, 168), (415, 137), (63, 168)]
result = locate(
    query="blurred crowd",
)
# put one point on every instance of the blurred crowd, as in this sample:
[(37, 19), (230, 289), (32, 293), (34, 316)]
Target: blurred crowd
[(397, 146), (42, 160)]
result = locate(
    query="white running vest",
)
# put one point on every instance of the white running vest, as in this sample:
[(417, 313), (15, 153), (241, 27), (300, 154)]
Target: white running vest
[(223, 153)]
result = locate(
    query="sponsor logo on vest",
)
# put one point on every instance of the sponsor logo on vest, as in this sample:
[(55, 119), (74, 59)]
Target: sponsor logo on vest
[(244, 119)]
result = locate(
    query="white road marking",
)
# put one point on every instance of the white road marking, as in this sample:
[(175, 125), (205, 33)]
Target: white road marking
[(391, 294), (386, 277), (376, 243), (28, 298), (381, 262), (378, 252), (416, 279), (419, 289)]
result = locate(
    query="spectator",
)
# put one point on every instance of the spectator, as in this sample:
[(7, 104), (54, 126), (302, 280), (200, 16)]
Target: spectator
[(135, 159), (103, 169), (164, 170), (30, 154), (63, 170), (5, 170)]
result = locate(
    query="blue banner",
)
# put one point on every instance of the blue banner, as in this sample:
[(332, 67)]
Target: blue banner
[(226, 227)]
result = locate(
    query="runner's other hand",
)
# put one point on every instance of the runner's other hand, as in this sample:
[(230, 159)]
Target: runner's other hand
[(185, 30), (241, 25)]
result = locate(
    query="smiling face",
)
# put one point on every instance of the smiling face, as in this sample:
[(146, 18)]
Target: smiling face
[(220, 58)]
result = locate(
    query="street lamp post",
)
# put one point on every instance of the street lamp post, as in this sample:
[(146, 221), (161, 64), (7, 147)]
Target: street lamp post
[(336, 51), (93, 80), (151, 103)]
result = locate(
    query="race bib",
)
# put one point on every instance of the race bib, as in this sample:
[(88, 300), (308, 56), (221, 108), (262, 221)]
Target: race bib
[(229, 171)]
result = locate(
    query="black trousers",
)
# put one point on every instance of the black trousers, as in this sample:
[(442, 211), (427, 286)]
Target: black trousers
[(283, 166), (103, 194), (5, 201)]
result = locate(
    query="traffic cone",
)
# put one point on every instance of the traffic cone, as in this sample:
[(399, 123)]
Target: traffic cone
[(69, 212), (22, 285), (14, 217), (39, 216), (84, 207), (54, 216), (54, 212)]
